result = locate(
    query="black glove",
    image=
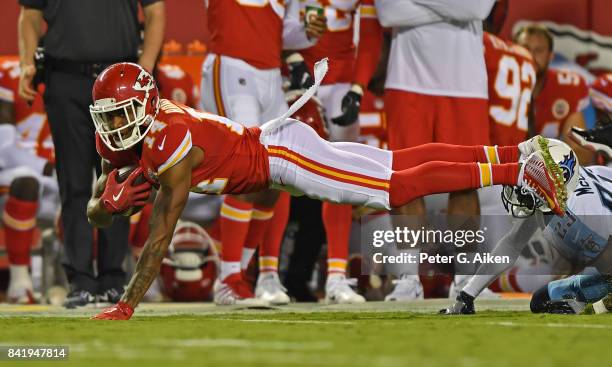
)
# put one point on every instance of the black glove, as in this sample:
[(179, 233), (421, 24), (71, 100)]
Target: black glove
[(299, 76), (350, 107)]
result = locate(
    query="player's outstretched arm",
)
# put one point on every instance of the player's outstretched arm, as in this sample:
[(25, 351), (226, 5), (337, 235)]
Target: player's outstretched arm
[(169, 204)]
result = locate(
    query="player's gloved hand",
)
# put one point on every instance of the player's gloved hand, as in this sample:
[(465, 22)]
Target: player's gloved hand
[(120, 196), (299, 76), (351, 103), (120, 311)]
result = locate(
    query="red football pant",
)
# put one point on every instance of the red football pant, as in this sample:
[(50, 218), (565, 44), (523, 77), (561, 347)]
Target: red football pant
[(414, 119)]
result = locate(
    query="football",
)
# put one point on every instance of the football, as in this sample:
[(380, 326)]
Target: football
[(122, 174)]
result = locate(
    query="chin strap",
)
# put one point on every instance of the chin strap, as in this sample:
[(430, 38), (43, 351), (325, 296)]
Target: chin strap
[(320, 69)]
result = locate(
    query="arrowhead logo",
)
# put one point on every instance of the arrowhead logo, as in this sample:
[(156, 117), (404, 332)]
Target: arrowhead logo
[(116, 197), (144, 82), (161, 146)]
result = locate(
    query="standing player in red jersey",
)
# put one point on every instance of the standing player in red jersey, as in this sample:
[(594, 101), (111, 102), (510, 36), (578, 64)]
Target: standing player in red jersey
[(559, 95), (241, 80), (340, 94), (26, 191), (180, 149)]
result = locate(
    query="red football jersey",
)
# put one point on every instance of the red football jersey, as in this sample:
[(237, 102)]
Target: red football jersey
[(337, 42), (250, 30), (235, 162), (511, 75), (564, 93), (31, 121), (175, 84)]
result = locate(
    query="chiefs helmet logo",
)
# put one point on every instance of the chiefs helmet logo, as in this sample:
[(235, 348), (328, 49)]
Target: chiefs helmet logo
[(144, 82)]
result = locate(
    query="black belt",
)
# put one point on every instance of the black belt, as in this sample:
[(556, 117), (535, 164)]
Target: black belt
[(91, 69)]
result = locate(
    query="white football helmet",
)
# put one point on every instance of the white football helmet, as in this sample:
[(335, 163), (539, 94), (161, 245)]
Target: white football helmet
[(520, 203)]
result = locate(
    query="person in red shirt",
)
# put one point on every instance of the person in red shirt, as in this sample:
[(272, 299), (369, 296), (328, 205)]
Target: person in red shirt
[(511, 79), (340, 94), (179, 149), (559, 95), (241, 80), (25, 164)]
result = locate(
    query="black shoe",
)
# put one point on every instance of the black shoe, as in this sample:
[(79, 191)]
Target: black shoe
[(565, 307), (112, 295), (598, 139), (78, 298), (464, 305), (298, 290)]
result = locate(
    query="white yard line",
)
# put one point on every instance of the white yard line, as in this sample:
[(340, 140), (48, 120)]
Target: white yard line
[(549, 324), (272, 321)]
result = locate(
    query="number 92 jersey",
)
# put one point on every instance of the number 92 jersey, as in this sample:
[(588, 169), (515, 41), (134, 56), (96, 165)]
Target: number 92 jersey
[(234, 162), (582, 234), (511, 78)]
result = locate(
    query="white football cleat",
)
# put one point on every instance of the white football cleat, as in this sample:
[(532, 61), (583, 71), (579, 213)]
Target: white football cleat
[(338, 290), (529, 146), (407, 288), (538, 177), (460, 281), (20, 289), (270, 289), (233, 290)]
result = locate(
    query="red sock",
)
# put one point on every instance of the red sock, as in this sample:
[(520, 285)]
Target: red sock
[(235, 220), (260, 221), (412, 157), (337, 222), (508, 154), (19, 220), (436, 177), (271, 244)]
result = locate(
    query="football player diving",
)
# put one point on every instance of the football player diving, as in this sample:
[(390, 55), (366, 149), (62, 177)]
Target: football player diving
[(179, 149)]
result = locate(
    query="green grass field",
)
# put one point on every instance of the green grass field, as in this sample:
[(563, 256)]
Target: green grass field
[(306, 335)]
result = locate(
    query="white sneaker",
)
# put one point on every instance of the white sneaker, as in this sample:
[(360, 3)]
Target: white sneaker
[(407, 288), (20, 291), (460, 281), (235, 291), (270, 289), (338, 290)]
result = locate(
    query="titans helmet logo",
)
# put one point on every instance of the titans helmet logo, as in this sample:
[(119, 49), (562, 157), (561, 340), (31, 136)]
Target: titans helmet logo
[(568, 165)]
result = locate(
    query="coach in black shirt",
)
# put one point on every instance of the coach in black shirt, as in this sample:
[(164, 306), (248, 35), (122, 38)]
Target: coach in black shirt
[(82, 38)]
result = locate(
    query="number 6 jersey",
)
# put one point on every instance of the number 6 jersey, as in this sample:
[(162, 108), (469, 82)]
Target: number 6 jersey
[(234, 159)]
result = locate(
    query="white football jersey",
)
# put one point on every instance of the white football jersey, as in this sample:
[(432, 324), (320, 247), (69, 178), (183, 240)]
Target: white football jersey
[(584, 231)]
